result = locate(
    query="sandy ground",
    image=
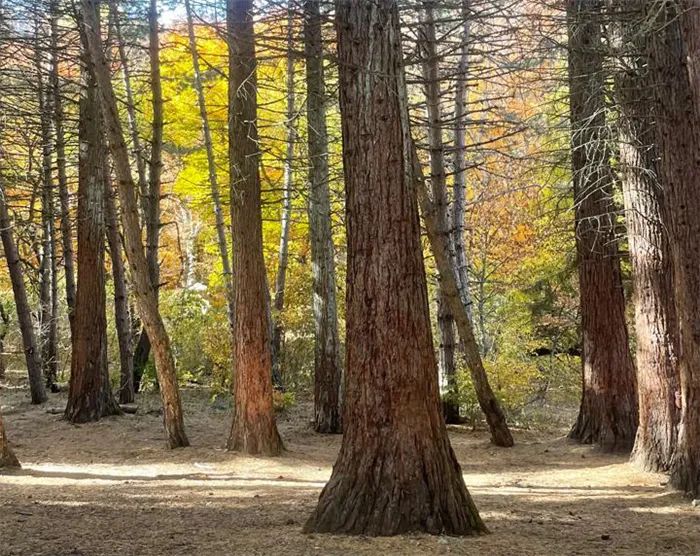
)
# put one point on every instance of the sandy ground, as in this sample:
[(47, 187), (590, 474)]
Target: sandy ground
[(111, 488)]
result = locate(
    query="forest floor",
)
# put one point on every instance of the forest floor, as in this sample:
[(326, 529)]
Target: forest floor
[(111, 488)]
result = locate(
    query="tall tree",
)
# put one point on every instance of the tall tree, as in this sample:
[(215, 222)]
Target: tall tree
[(608, 414), (151, 200), (145, 294), (647, 224), (254, 430), (90, 394), (396, 471), (327, 355), (674, 61), (7, 456), (61, 163), (211, 166)]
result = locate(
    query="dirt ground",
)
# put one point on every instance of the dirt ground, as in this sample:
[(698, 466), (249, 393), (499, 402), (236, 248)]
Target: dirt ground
[(111, 488)]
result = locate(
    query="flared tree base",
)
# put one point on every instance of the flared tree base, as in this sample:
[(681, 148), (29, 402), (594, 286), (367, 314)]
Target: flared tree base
[(8, 460)]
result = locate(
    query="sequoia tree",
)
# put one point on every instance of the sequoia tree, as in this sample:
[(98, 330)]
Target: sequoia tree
[(674, 61), (608, 413), (327, 358), (90, 394), (396, 471), (145, 294), (254, 430), (646, 214)]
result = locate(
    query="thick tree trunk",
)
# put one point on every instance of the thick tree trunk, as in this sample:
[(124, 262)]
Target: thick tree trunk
[(90, 394), (254, 430), (650, 251), (674, 63), (211, 165), (145, 294), (396, 471), (8, 460), (24, 313), (328, 370), (63, 193), (122, 315), (608, 414)]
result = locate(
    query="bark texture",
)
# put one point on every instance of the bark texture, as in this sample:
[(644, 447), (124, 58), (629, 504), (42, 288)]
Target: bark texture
[(90, 394), (8, 460), (608, 414), (145, 294), (396, 471), (328, 369), (254, 430), (650, 251), (674, 61)]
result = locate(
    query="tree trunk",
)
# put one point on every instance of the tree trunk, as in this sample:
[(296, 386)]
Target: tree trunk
[(328, 370), (145, 294), (447, 363), (66, 230), (90, 394), (47, 289), (608, 414), (650, 252), (211, 164), (396, 471), (4, 329), (254, 430), (674, 64), (283, 259), (8, 459), (24, 313), (122, 315)]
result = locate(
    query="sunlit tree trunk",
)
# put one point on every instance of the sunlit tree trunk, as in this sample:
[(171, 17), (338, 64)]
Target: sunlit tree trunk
[(647, 224), (90, 393), (327, 354), (145, 294), (254, 430), (608, 415), (7, 457), (396, 471)]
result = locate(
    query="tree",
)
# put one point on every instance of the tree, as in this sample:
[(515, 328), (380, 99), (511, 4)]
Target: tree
[(327, 359), (608, 415), (396, 471), (254, 430), (674, 56), (90, 394), (7, 456), (647, 224), (145, 294)]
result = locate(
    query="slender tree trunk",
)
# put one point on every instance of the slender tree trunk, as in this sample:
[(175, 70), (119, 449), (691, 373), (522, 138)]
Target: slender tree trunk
[(48, 306), (63, 193), (674, 62), (151, 202), (396, 471), (145, 294), (650, 251), (254, 430), (90, 394), (608, 416), (211, 164), (122, 315), (447, 363), (283, 259), (24, 313), (8, 459), (328, 370)]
